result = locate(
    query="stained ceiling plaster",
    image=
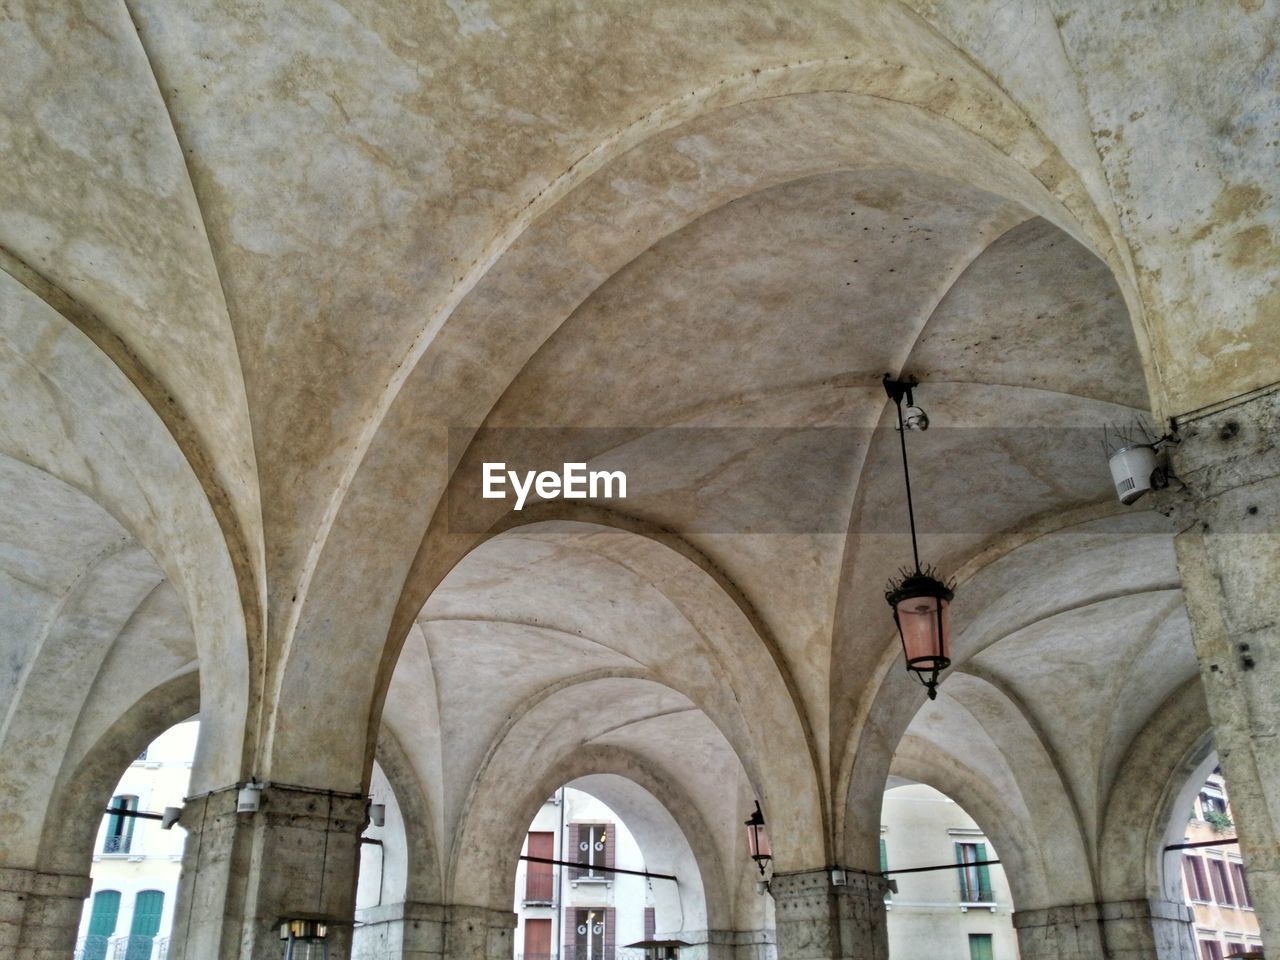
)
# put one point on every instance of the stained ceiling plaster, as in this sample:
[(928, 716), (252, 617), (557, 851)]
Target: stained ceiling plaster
[(257, 261)]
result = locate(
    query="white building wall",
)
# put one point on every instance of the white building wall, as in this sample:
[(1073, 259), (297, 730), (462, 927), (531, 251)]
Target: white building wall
[(926, 917), (626, 895), (154, 858)]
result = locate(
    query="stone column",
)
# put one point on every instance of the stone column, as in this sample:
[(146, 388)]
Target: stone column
[(818, 921), (40, 913), (1121, 930), (1226, 496), (297, 857), (430, 931)]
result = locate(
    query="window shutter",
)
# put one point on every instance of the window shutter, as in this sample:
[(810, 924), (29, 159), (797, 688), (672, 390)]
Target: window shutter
[(575, 854), (1242, 885), (102, 923), (1189, 878), (1216, 875), (609, 847), (1202, 882), (980, 946), (609, 919), (984, 874), (650, 923), (884, 865)]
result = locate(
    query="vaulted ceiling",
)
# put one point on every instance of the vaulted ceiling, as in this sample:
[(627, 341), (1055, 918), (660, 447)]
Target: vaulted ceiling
[(276, 279)]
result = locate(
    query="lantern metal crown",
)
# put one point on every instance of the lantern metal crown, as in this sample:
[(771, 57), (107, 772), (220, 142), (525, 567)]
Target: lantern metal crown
[(920, 598)]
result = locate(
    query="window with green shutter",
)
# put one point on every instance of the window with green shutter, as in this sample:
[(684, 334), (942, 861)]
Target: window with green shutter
[(147, 910), (980, 947), (102, 923), (975, 876), (119, 838), (884, 865)]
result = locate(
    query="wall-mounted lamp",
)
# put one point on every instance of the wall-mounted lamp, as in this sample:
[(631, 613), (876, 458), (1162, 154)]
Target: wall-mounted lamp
[(758, 839), (305, 939), (920, 600)]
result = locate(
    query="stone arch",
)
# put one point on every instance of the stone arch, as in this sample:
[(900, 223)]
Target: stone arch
[(1009, 783), (685, 631), (444, 349), (88, 456), (422, 877), (66, 842), (703, 897), (1165, 768)]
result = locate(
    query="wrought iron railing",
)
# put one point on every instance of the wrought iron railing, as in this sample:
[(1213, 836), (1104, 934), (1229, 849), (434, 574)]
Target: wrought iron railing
[(123, 947), (117, 843)]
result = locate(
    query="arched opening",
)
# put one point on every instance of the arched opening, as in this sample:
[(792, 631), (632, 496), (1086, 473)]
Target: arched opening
[(960, 911), (1203, 867), (136, 860), (626, 873)]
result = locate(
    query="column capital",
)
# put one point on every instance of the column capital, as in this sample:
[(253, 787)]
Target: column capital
[(816, 920), (296, 856)]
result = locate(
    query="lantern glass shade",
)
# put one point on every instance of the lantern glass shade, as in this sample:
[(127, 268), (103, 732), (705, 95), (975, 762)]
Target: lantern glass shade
[(926, 634), (922, 610), (758, 838)]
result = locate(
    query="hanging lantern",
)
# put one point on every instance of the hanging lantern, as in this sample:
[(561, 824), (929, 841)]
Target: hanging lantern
[(758, 839), (305, 939), (919, 598)]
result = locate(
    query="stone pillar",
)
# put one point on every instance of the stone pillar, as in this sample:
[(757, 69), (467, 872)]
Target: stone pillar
[(818, 921), (1121, 930), (297, 857), (40, 913), (430, 931), (1226, 497)]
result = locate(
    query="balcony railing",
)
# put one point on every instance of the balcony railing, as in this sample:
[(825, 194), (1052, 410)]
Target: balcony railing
[(125, 947), (117, 844)]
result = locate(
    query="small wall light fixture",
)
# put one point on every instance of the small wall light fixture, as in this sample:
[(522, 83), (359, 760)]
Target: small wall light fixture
[(249, 799), (1133, 456), (758, 839), (919, 598)]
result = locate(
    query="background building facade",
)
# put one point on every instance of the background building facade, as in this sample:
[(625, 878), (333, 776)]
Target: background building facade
[(580, 913), (136, 864), (1216, 880), (962, 914)]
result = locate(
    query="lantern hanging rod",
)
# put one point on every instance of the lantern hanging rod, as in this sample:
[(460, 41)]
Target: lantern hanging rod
[(595, 869), (897, 389), (942, 866)]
